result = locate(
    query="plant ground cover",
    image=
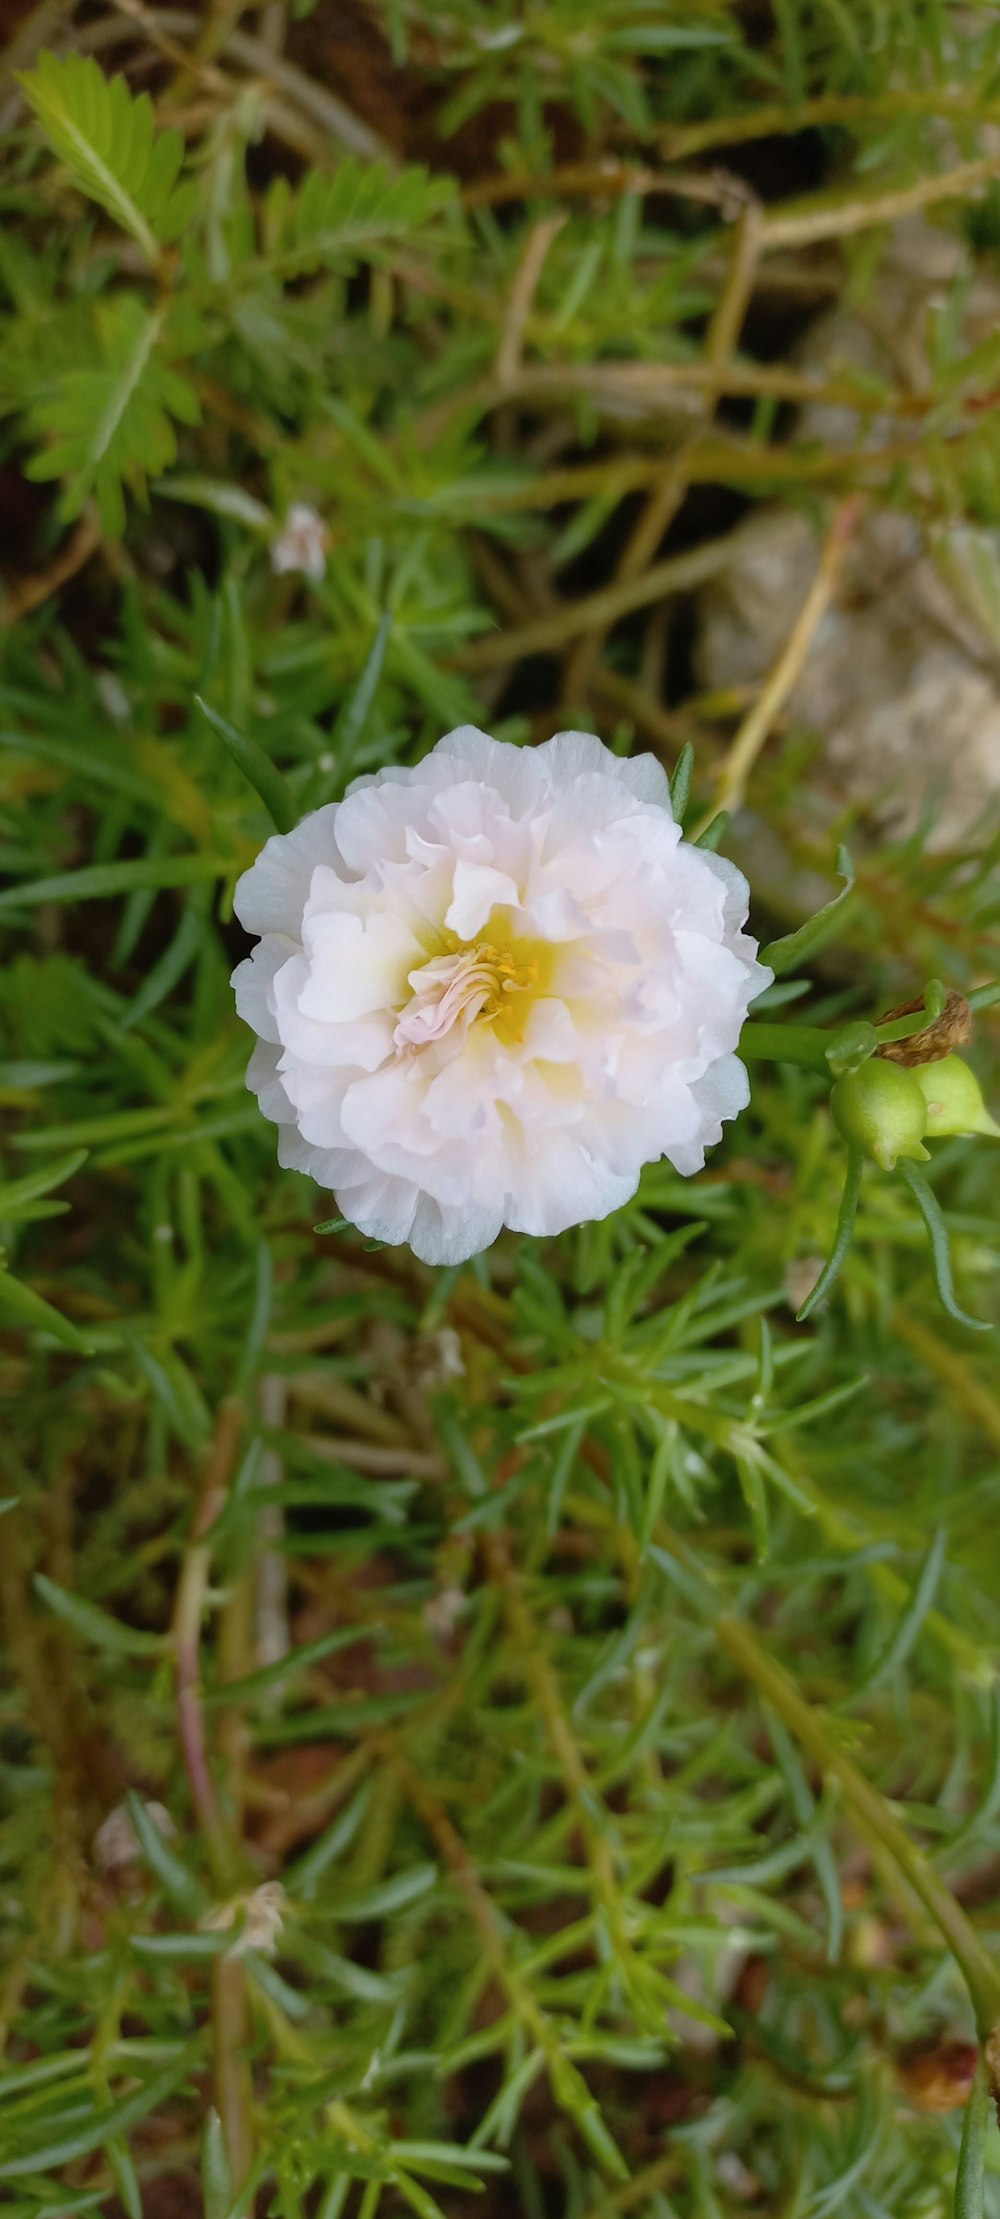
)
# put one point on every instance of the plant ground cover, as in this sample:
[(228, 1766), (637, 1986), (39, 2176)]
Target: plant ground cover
[(522, 1738)]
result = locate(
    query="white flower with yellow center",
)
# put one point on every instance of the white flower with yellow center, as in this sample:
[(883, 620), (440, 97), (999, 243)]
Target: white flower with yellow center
[(489, 989)]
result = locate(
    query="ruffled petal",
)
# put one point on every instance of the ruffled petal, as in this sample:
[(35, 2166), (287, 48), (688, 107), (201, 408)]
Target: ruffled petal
[(264, 1079), (444, 1234), (477, 891), (253, 984), (561, 1184), (568, 754), (271, 896)]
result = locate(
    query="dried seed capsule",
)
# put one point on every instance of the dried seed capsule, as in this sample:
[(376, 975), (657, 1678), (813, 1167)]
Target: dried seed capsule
[(937, 2075), (881, 1110), (951, 1030)]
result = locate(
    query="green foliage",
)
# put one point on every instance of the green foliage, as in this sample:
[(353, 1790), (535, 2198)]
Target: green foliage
[(332, 221), (252, 761), (109, 144), (519, 1739), (970, 2182), (112, 426), (607, 67)]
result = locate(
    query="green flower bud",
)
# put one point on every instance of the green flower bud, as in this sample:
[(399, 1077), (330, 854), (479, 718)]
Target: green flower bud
[(954, 1101), (881, 1110)]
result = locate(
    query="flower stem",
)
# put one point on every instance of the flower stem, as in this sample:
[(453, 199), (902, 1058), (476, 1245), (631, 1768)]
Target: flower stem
[(877, 1820), (842, 1238), (230, 2002), (761, 1042), (186, 1634)]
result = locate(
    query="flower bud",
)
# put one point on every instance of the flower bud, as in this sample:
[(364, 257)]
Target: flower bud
[(954, 1101), (881, 1110)]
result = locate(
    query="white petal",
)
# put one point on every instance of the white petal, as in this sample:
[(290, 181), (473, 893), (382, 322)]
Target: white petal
[(264, 1080), (383, 1115), (380, 807), (513, 772), (568, 754), (360, 1043), (318, 1096), (722, 1092), (356, 965), (384, 1208), (564, 1185), (253, 984), (478, 890), (460, 1103), (737, 892), (371, 825), (447, 1235), (556, 915), (325, 1165), (271, 896), (551, 1032)]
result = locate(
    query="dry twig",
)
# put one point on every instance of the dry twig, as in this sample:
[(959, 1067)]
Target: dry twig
[(666, 497), (30, 592), (759, 722)]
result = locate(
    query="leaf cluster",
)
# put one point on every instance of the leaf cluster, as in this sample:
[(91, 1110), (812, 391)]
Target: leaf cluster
[(530, 1627)]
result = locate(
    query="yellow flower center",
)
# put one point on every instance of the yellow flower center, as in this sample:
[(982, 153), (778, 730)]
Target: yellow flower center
[(472, 982)]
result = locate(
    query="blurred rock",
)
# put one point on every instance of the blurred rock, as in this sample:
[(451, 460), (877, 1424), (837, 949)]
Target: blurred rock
[(902, 682)]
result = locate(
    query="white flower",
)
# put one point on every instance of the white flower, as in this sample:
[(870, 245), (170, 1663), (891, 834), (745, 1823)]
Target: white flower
[(116, 1844), (260, 1918), (491, 988), (303, 543), (443, 1612), (436, 1358)]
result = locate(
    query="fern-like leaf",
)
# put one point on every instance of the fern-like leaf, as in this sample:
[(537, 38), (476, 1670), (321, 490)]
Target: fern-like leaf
[(107, 139), (335, 221), (112, 426)]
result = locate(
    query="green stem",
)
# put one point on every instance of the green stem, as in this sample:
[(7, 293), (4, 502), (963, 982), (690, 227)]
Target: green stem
[(761, 1042), (906, 1028), (970, 2180), (842, 1238), (981, 1975), (192, 1590)]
